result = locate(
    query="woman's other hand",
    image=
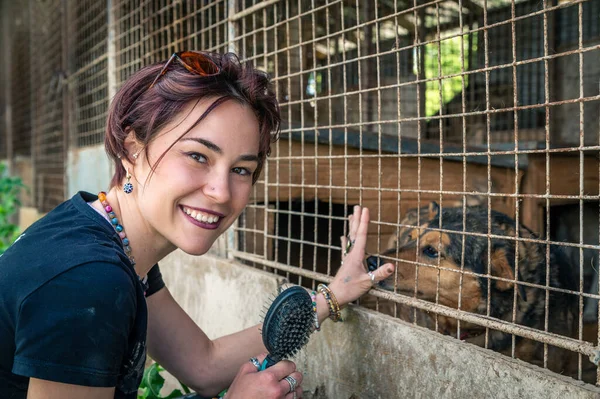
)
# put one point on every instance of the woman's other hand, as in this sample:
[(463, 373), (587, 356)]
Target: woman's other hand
[(352, 279), (271, 383)]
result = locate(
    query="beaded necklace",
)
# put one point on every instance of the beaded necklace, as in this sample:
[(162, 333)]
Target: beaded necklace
[(121, 231)]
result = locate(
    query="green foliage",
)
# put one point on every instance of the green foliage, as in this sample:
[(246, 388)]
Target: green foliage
[(10, 188), (450, 63), (152, 383)]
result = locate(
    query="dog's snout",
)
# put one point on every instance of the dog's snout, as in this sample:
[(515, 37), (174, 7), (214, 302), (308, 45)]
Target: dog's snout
[(373, 263)]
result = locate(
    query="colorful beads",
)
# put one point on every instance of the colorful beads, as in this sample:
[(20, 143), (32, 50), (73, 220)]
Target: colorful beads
[(334, 307), (125, 241), (313, 296)]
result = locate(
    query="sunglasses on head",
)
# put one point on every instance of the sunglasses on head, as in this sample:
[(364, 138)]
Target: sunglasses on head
[(194, 61)]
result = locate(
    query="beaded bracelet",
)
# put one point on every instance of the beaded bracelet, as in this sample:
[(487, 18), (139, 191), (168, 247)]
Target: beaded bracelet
[(313, 296), (334, 307)]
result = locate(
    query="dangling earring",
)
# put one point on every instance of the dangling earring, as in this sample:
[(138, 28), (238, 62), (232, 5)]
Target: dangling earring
[(128, 187)]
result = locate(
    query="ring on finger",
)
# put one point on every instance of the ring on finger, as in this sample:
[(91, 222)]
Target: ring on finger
[(372, 276), (349, 244), (294, 396), (255, 362), (292, 381)]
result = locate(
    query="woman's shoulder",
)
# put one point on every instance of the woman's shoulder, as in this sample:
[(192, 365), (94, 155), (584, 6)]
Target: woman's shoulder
[(61, 242)]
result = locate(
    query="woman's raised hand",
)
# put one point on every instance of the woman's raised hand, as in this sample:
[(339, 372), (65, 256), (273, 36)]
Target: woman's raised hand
[(271, 383), (352, 279)]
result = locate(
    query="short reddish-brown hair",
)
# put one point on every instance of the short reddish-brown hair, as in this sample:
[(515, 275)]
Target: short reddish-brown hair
[(145, 111)]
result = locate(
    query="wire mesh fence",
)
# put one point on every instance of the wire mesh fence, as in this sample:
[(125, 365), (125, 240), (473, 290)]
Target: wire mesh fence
[(469, 128), (48, 102), (488, 110)]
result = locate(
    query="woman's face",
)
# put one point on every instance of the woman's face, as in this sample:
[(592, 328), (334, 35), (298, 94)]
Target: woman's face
[(203, 182)]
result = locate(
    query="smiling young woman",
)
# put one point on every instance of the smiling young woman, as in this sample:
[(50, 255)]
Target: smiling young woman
[(81, 294)]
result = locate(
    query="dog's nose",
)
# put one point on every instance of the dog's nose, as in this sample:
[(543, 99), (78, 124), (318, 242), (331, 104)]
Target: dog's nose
[(373, 263)]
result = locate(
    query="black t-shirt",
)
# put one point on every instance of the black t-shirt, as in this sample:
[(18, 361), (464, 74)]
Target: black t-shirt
[(72, 309)]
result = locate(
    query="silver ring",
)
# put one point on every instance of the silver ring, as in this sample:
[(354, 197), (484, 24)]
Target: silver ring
[(294, 396), (292, 381), (349, 244), (255, 362), (372, 275)]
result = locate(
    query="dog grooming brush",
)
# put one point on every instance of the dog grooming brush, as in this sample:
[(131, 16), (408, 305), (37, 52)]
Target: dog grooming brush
[(287, 325)]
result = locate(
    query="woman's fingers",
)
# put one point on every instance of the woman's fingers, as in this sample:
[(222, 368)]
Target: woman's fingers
[(361, 230), (344, 243), (250, 367), (286, 385), (381, 273), (282, 369), (354, 222), (297, 394)]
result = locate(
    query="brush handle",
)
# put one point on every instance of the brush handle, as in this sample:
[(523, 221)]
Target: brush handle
[(268, 362)]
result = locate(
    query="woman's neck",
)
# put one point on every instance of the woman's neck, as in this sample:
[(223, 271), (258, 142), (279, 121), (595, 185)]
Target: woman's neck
[(147, 245)]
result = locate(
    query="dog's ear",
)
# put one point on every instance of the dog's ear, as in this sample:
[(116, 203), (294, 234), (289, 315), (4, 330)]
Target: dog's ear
[(503, 267), (433, 210)]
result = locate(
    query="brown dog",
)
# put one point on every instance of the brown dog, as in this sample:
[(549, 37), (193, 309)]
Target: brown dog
[(467, 271)]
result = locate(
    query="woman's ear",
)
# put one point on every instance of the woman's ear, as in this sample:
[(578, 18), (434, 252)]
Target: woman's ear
[(132, 149)]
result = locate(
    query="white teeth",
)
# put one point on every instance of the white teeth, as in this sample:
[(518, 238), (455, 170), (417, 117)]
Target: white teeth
[(201, 217)]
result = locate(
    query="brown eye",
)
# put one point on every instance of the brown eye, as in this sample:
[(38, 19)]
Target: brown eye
[(430, 252), (241, 171), (197, 157)]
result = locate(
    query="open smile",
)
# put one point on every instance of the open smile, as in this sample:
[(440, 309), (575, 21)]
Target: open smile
[(202, 218)]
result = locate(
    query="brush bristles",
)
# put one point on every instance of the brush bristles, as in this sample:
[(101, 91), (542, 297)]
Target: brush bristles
[(289, 323)]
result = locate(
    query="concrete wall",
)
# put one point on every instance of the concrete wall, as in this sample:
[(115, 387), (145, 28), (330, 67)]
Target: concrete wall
[(369, 355), (88, 169)]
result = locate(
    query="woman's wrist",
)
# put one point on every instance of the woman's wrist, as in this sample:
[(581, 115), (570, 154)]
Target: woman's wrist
[(322, 308)]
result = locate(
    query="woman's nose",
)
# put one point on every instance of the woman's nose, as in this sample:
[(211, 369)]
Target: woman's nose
[(218, 188)]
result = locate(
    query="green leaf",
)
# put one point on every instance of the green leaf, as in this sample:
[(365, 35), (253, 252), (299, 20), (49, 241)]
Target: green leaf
[(152, 381), (175, 394)]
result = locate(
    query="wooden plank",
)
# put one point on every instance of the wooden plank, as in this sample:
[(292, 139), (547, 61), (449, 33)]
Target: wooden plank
[(564, 179), (352, 179)]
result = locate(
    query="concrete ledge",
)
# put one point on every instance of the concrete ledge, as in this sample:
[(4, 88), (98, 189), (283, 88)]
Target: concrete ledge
[(370, 355), (221, 296)]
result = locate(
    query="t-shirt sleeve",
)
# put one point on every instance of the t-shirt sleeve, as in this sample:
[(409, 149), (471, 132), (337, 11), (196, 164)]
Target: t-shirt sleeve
[(155, 281), (75, 328)]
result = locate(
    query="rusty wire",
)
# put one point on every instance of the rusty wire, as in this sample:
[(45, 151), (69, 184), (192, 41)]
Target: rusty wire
[(351, 106), (354, 80)]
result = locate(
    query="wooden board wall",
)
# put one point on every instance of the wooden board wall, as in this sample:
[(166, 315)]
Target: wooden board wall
[(389, 185)]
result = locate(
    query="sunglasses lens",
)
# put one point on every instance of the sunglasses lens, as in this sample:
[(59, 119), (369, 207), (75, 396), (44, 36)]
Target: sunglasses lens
[(199, 63)]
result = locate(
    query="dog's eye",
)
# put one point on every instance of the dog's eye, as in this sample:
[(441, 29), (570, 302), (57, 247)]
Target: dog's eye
[(430, 251)]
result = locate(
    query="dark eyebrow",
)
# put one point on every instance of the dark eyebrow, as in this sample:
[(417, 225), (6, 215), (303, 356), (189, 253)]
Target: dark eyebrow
[(209, 144), (249, 158), (212, 146)]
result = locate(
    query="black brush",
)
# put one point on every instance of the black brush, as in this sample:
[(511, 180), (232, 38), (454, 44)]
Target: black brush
[(287, 325)]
